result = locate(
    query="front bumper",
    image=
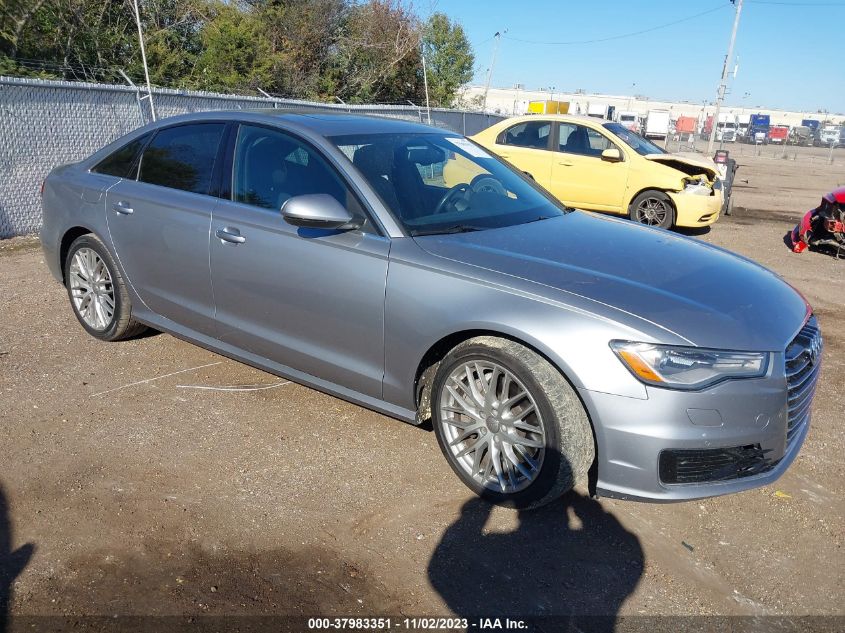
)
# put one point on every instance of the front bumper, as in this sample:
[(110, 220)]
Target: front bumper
[(695, 211), (632, 433)]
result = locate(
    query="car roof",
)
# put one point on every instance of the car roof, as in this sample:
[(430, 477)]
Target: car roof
[(557, 117), (324, 124)]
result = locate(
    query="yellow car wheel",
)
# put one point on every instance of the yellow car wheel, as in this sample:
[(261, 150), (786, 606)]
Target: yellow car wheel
[(653, 208)]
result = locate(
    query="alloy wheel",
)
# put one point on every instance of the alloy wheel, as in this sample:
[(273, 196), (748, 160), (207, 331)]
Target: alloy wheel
[(492, 426), (91, 289), (652, 211)]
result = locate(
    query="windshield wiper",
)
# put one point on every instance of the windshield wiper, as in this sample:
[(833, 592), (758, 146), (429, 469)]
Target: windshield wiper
[(458, 228)]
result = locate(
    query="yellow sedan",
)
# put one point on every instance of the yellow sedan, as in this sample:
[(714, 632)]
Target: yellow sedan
[(599, 165)]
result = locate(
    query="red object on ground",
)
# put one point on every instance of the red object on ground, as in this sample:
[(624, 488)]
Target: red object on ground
[(822, 226)]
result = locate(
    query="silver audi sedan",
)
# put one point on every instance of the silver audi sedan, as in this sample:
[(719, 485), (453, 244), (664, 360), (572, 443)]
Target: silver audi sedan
[(408, 270)]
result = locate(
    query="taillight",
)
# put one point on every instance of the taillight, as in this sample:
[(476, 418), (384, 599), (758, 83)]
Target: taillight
[(43, 182)]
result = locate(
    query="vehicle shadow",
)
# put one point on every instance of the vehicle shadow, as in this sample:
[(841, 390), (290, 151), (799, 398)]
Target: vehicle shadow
[(689, 231), (12, 563), (571, 564)]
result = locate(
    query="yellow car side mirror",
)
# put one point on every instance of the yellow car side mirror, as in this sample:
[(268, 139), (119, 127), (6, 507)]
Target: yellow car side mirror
[(611, 155)]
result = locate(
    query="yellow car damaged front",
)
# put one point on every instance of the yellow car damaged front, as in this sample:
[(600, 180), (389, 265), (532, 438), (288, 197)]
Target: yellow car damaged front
[(598, 165)]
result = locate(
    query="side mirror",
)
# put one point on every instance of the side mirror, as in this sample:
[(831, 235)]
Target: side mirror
[(611, 155), (317, 211)]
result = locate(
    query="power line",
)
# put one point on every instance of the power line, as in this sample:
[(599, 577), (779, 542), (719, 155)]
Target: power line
[(798, 4), (624, 35)]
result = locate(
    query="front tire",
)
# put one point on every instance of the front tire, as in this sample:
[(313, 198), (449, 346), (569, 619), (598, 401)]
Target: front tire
[(509, 424), (97, 291), (653, 208)]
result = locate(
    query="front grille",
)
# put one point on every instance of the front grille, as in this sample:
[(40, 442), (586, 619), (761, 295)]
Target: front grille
[(803, 363), (695, 466)]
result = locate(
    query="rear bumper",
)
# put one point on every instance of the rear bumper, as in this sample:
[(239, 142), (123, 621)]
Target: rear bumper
[(631, 434), (693, 210), (50, 248)]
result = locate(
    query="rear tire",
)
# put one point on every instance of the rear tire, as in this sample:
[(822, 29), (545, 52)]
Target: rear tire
[(97, 291), (520, 451), (653, 208)]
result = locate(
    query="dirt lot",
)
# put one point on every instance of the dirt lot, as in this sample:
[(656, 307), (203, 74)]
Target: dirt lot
[(140, 478)]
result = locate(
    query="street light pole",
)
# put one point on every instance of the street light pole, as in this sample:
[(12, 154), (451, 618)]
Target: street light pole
[(497, 37), (723, 85), (144, 58), (425, 83)]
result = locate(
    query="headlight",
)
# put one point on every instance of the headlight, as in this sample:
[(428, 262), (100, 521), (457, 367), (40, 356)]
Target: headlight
[(688, 367)]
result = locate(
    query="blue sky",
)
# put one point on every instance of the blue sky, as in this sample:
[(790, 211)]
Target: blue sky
[(791, 52)]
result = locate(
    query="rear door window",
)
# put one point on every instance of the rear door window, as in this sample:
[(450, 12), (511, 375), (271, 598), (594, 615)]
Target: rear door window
[(182, 157), (122, 162), (531, 134)]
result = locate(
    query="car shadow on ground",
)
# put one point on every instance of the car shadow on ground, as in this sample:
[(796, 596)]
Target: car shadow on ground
[(697, 231), (570, 558), (12, 563)]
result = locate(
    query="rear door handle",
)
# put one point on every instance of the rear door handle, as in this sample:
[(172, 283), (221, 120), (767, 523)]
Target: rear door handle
[(565, 163), (123, 208), (231, 235)]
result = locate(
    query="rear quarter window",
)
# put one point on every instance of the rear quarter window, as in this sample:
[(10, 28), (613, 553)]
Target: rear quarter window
[(122, 162)]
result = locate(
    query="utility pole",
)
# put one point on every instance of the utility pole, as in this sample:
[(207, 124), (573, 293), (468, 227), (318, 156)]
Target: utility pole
[(723, 85), (144, 59), (496, 37), (425, 83)]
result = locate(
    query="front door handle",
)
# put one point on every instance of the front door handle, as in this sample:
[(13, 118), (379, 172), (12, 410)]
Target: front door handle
[(123, 208), (565, 163), (228, 234)]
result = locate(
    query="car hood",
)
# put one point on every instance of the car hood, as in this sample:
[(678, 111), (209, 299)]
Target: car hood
[(687, 164), (630, 273)]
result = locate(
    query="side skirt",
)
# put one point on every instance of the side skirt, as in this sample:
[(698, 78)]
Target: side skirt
[(167, 326)]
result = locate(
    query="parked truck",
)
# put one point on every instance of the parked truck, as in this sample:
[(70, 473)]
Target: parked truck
[(743, 122), (629, 120), (686, 125), (758, 128), (657, 124), (829, 135), (778, 134), (725, 131), (601, 110), (801, 135), (813, 124), (548, 107)]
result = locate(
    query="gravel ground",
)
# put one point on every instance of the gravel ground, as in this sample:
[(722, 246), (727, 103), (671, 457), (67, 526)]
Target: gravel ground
[(133, 483)]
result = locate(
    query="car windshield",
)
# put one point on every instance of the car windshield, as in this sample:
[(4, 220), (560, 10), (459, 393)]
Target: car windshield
[(437, 183), (640, 145)]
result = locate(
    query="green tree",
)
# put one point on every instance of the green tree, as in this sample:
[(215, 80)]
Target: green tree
[(376, 55), (301, 35), (449, 58), (236, 54), (172, 37)]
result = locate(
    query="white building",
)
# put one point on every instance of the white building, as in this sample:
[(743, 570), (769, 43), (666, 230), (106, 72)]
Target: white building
[(514, 101)]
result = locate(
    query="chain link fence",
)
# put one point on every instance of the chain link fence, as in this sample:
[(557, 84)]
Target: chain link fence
[(47, 123), (775, 151)]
